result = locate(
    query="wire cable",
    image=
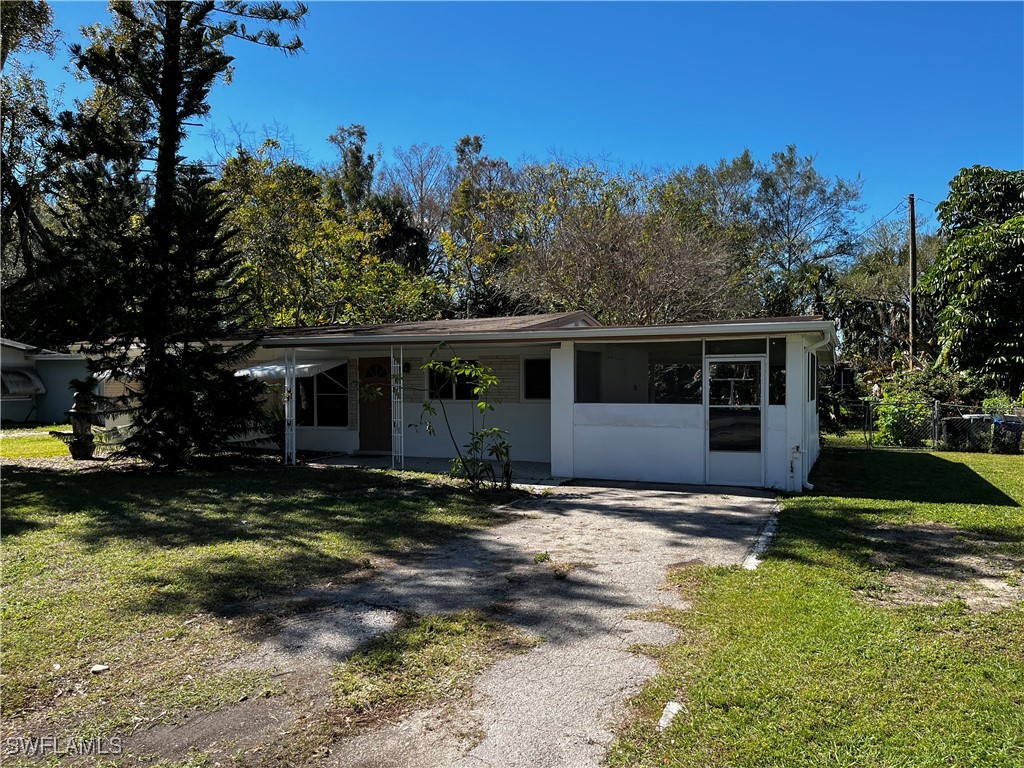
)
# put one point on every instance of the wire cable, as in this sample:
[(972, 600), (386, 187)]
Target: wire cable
[(895, 208)]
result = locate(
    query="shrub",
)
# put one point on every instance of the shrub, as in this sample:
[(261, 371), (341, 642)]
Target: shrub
[(903, 424)]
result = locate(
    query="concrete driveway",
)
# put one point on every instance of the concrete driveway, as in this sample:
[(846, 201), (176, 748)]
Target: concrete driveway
[(556, 705)]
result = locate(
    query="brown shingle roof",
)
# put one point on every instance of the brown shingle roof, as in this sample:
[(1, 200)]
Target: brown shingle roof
[(440, 327)]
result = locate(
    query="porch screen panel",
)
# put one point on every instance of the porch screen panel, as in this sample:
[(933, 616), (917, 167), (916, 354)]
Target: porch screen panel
[(653, 372), (734, 406)]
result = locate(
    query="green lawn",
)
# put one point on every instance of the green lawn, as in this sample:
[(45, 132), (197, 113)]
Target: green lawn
[(32, 443), (862, 640), (149, 574)]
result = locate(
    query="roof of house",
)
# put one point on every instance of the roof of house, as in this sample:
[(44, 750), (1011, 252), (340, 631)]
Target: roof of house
[(38, 353), (440, 327), (577, 326)]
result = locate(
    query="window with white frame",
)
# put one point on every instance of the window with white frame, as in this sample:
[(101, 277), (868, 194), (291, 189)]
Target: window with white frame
[(322, 400)]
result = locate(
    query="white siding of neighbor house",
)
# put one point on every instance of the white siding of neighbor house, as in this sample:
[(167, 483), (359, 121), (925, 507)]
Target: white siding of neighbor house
[(644, 442)]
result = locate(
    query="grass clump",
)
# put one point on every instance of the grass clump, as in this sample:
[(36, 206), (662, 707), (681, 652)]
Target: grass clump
[(429, 660), (805, 661)]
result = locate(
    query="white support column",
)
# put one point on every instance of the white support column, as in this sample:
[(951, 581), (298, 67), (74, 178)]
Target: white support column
[(563, 395), (398, 409), (796, 405), (289, 407)]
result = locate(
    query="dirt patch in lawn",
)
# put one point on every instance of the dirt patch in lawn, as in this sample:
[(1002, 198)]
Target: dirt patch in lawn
[(930, 564)]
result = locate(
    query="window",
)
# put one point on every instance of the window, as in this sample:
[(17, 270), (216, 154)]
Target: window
[(812, 378), (734, 347), (537, 378), (588, 377), (322, 400), (658, 372), (440, 385), (776, 371), (674, 373)]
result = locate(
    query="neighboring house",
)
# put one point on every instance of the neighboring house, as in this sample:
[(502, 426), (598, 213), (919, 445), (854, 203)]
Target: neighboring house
[(36, 382), (731, 403)]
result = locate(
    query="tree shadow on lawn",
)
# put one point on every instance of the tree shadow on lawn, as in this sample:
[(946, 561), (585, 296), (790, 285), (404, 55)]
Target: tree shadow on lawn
[(915, 477), (272, 530), (829, 528)]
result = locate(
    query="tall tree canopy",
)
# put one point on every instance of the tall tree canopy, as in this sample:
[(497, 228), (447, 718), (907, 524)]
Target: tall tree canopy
[(154, 243), (27, 169), (805, 224), (978, 279)]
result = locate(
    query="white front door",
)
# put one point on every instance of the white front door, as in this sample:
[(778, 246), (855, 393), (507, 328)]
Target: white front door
[(734, 410)]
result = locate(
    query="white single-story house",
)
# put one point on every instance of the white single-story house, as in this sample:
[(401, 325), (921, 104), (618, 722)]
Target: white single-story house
[(35, 382), (725, 403)]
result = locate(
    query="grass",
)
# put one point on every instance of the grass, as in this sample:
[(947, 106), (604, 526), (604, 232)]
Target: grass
[(431, 659), (32, 443), (805, 662), (150, 574)]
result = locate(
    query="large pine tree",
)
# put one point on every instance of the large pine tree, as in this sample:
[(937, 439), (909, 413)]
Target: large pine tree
[(146, 244)]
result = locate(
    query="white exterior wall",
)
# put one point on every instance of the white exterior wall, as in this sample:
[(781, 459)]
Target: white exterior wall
[(528, 425), (776, 461), (644, 442), (328, 439), (796, 401)]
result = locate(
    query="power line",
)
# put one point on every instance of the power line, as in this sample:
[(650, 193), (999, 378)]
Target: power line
[(895, 208)]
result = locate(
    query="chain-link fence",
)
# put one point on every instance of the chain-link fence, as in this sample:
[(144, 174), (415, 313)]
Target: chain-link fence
[(931, 425)]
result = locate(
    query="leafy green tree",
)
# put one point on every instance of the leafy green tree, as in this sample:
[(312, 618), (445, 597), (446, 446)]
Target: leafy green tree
[(870, 299), (607, 242), (478, 241), (26, 170), (805, 225), (309, 258), (171, 259), (977, 279), (275, 206)]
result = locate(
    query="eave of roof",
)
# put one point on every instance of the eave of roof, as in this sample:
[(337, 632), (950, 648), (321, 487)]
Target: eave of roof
[(731, 328)]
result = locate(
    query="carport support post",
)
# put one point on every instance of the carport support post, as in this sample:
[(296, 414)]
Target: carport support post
[(796, 405), (289, 406), (563, 361)]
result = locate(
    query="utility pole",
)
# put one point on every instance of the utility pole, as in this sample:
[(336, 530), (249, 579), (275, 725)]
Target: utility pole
[(913, 277)]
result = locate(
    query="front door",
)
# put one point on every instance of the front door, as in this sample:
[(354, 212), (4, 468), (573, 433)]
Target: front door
[(734, 404), (374, 405)]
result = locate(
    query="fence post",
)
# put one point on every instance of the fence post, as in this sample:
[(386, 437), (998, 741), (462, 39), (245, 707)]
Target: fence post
[(936, 426)]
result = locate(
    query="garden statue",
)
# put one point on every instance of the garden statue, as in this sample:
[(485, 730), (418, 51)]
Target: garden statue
[(83, 416)]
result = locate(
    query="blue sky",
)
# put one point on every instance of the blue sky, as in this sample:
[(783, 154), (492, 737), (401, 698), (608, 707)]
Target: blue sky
[(904, 94)]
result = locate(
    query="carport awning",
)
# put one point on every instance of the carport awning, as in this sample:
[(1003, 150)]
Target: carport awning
[(21, 381), (275, 371)]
